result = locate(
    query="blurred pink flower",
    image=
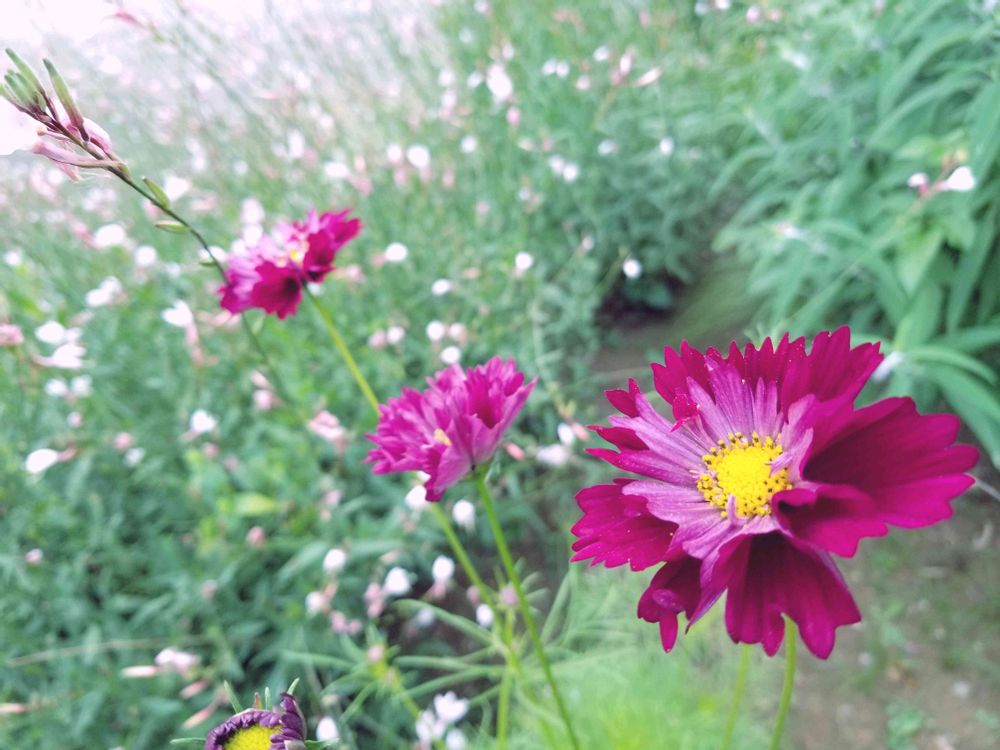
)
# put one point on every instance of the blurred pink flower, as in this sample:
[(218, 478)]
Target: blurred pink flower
[(273, 272), (10, 335), (451, 427)]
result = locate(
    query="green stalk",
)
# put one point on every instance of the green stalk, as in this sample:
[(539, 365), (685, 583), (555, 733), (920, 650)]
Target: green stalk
[(738, 691), (485, 595), (338, 341), (791, 637), (525, 608)]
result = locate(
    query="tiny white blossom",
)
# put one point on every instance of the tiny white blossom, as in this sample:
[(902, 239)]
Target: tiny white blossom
[(632, 268), (469, 144), (179, 315), (41, 460), (396, 252), (80, 386), (484, 616), (499, 83), (104, 294), (553, 455), (326, 730), (961, 181), (443, 569), (334, 560), (397, 582), (57, 388), (523, 261), (464, 514), (566, 434), (110, 235), (666, 146), (133, 456), (202, 422), (395, 334), (441, 287), (144, 256), (416, 498), (419, 156), (315, 602), (450, 708), (571, 172), (435, 330), (53, 332), (607, 147), (451, 355)]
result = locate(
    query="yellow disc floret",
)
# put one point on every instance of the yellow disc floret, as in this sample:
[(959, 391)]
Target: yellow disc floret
[(742, 468), (252, 738)]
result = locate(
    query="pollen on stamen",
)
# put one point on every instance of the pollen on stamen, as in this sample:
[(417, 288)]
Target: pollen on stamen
[(742, 469)]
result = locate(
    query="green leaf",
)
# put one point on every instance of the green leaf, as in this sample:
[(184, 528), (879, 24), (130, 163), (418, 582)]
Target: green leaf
[(932, 353), (62, 91), (233, 699), (161, 197), (173, 227), (27, 74), (255, 504)]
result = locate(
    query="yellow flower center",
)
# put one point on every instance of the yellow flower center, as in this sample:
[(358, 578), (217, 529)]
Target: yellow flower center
[(440, 436), (252, 738), (742, 468)]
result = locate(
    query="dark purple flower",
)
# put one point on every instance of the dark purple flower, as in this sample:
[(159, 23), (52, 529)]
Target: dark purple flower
[(257, 729), (766, 470)]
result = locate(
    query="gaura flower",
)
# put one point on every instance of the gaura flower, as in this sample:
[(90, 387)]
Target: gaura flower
[(257, 729), (766, 470), (272, 273), (453, 426)]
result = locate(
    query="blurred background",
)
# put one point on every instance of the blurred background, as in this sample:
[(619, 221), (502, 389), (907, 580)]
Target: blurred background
[(575, 184)]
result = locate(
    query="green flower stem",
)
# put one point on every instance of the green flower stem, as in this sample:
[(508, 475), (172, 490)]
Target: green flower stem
[(396, 685), (442, 518), (791, 638), (503, 708), (522, 601), (338, 341), (485, 595), (124, 176), (738, 691)]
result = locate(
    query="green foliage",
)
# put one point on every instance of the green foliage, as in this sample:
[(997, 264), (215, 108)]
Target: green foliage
[(766, 163)]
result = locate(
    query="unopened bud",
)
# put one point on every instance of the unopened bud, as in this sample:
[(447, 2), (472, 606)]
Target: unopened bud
[(62, 91)]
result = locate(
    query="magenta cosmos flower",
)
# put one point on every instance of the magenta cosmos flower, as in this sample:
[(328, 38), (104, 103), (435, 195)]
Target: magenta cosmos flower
[(766, 469), (272, 273), (453, 426), (257, 729)]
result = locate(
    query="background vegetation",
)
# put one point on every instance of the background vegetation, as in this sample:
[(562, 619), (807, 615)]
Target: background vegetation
[(593, 181)]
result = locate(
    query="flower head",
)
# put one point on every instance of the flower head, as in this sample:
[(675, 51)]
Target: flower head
[(765, 471), (273, 272), (451, 427), (257, 729)]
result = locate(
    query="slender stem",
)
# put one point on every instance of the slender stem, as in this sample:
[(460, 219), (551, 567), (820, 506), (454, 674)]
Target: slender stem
[(396, 684), (503, 707), (791, 637), (261, 351), (522, 601), (442, 518), (485, 595), (338, 341), (738, 692)]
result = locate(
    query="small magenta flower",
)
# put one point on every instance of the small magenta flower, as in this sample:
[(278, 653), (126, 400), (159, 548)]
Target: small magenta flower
[(257, 729), (766, 469), (273, 272), (453, 426)]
